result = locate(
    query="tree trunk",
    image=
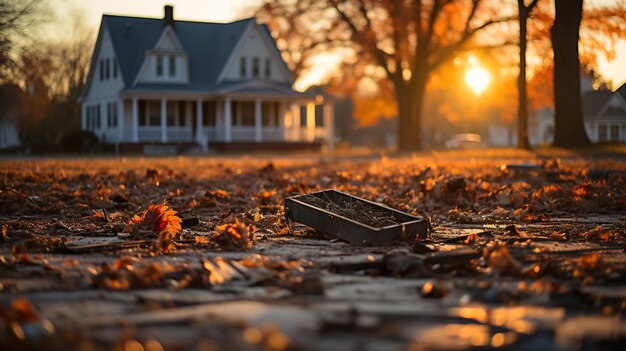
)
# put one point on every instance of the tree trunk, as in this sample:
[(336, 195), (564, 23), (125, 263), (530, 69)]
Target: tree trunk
[(569, 128), (522, 100), (410, 101)]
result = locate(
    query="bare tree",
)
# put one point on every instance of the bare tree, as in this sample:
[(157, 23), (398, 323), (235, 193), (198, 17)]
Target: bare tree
[(407, 40), (16, 18), (569, 129), (54, 72)]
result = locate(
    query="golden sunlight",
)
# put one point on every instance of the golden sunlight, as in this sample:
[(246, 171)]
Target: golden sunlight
[(477, 77)]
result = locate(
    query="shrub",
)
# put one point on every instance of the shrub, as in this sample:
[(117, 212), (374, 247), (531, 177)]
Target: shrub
[(80, 141)]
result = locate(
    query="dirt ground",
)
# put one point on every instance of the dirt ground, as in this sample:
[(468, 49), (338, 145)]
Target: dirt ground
[(524, 251)]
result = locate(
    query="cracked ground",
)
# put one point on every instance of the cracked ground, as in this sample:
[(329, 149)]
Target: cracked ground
[(524, 251)]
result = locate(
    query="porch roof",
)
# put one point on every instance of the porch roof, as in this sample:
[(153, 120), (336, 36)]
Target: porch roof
[(232, 89)]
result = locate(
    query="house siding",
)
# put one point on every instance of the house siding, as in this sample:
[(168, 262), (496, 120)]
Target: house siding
[(103, 91), (254, 45)]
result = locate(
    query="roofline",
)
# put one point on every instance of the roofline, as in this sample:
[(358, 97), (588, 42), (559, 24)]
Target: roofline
[(236, 48), (256, 83), (92, 62), (268, 41), (176, 20), (606, 103), (144, 64)]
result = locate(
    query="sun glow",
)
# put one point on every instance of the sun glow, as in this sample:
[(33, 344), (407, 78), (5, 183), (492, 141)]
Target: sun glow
[(477, 77)]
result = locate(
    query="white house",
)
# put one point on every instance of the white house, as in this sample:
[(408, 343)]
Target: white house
[(215, 85), (604, 114)]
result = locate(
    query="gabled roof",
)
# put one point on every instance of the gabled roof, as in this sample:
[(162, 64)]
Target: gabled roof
[(622, 91), (594, 101), (208, 45), (614, 111)]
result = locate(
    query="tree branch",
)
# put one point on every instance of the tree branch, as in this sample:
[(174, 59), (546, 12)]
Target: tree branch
[(446, 52), (380, 55)]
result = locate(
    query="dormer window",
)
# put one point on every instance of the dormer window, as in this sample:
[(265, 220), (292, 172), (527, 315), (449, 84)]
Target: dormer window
[(114, 68), (172, 66), (242, 67), (108, 68), (159, 65), (268, 68), (255, 67)]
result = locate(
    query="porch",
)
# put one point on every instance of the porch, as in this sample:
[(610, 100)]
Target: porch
[(225, 119)]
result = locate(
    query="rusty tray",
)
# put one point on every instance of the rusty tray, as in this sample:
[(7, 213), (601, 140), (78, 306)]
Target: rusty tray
[(311, 210)]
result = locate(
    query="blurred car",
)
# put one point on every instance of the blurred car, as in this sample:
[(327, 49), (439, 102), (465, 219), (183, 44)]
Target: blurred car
[(464, 141)]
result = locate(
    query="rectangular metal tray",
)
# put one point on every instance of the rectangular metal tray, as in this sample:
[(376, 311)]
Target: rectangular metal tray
[(408, 227)]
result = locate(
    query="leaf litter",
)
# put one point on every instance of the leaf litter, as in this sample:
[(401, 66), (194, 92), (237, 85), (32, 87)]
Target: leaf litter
[(537, 236)]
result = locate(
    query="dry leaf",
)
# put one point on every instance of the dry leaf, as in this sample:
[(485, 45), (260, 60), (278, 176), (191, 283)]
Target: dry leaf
[(234, 235), (159, 220)]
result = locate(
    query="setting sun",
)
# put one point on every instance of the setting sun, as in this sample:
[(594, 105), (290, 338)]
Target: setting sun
[(477, 77)]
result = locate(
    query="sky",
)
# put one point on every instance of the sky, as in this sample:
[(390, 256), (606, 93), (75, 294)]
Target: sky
[(229, 10)]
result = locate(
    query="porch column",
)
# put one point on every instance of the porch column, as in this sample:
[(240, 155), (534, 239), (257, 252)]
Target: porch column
[(310, 121), (227, 120), (329, 124), (135, 126), (295, 116), (163, 120), (258, 121), (199, 130)]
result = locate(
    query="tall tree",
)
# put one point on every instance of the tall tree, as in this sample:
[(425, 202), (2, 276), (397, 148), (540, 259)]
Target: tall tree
[(16, 18), (569, 128), (522, 97), (407, 40), (53, 72)]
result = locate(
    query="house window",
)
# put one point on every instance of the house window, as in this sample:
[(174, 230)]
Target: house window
[(244, 113), (303, 111), (208, 113), (614, 133), (101, 70), (268, 68), (182, 116), (319, 115), (255, 67), (242, 67), (270, 111), (114, 68), (109, 115), (88, 118), (92, 118), (114, 109), (108, 68), (143, 114), (172, 113), (172, 66), (97, 116), (159, 65), (602, 133), (153, 113)]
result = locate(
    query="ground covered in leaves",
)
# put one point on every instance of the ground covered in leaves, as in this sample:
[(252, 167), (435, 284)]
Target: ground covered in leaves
[(194, 253)]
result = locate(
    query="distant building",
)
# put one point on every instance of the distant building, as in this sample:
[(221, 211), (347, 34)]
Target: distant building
[(219, 85), (604, 114), (10, 105)]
